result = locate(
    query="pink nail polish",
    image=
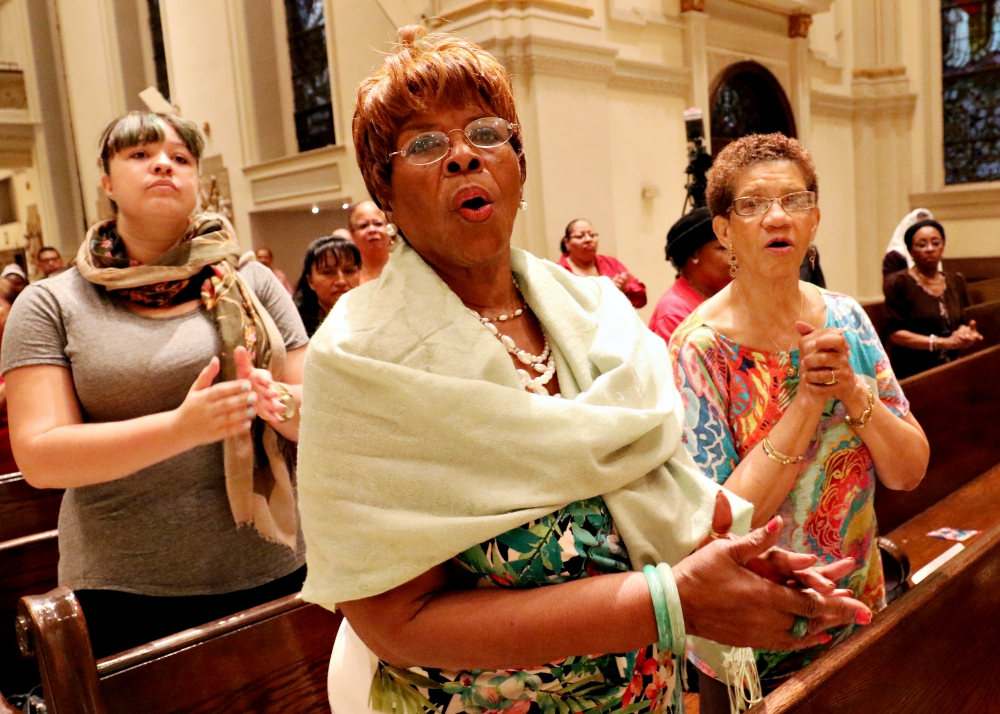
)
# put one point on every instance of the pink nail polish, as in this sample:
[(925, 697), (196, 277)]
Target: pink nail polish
[(772, 525), (864, 618)]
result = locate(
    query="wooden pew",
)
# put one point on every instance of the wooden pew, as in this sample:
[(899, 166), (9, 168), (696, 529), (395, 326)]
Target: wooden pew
[(974, 269), (29, 556), (984, 291), (987, 317), (931, 651), (25, 510), (269, 659), (957, 405), (876, 313), (28, 566)]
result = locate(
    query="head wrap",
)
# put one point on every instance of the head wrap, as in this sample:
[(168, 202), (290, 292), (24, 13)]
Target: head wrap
[(897, 243), (14, 269), (688, 234)]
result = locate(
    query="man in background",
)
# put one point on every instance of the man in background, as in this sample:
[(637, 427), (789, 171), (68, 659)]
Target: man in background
[(266, 258)]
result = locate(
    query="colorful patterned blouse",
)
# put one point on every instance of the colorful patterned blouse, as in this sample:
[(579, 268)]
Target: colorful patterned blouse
[(578, 541), (733, 396)]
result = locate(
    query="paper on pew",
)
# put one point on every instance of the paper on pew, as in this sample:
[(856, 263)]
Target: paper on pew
[(937, 562)]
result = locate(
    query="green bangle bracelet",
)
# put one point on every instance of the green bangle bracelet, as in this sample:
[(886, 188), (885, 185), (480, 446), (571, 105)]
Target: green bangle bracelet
[(676, 616), (663, 629)]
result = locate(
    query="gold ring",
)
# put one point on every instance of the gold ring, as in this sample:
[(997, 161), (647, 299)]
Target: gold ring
[(717, 536), (833, 379)]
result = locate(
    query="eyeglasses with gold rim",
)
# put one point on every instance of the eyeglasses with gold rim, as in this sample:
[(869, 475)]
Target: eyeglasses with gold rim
[(432, 146), (759, 205)]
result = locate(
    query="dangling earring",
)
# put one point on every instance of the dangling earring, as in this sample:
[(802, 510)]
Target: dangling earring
[(523, 205), (812, 257), (695, 261), (734, 267), (390, 230)]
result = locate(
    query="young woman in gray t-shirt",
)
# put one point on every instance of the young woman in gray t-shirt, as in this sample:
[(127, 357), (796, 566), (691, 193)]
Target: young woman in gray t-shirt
[(141, 382)]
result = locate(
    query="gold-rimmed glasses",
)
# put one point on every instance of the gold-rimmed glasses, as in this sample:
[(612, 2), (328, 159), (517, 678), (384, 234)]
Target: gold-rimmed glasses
[(759, 205), (432, 146)]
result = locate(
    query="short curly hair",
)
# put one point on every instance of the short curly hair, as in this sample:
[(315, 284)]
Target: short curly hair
[(425, 71), (750, 151)]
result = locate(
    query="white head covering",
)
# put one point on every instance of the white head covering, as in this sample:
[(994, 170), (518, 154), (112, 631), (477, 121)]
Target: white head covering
[(897, 243), (14, 269)]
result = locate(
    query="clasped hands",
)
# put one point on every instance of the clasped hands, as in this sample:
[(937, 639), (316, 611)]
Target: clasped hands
[(964, 336), (621, 280), (746, 592), (212, 412)]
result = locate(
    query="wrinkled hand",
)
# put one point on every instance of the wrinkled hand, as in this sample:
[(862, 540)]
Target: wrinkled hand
[(210, 413), (266, 405), (781, 566), (726, 600), (824, 356)]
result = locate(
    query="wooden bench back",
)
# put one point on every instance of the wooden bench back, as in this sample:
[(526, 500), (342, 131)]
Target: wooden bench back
[(956, 404), (987, 317), (974, 269), (269, 659), (25, 510), (28, 566), (931, 651), (984, 291), (876, 313)]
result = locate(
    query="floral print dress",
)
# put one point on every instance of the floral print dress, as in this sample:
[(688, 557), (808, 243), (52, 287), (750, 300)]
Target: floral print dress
[(734, 395), (578, 541)]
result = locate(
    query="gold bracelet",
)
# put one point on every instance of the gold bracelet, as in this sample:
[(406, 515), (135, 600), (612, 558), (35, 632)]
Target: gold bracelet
[(866, 415), (286, 398), (779, 457)]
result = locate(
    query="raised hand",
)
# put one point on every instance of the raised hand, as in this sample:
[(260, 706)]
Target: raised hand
[(266, 405), (825, 369), (210, 413)]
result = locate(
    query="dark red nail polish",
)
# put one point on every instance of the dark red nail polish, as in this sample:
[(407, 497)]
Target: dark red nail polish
[(772, 525), (864, 617), (825, 639)]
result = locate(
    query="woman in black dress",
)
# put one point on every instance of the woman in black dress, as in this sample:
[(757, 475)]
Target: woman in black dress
[(924, 306)]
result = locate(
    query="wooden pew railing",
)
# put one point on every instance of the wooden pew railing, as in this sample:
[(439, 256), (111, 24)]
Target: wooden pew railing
[(957, 406), (25, 510), (269, 659), (29, 558), (984, 291), (974, 269), (987, 317), (931, 651)]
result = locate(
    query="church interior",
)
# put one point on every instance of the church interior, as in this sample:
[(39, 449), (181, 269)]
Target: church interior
[(897, 102)]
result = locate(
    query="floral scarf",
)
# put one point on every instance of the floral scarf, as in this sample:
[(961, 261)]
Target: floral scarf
[(258, 479)]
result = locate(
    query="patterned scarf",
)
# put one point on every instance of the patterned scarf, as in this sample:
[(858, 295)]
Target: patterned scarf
[(205, 264)]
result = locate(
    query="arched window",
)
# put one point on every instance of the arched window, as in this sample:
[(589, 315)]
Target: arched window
[(747, 99), (310, 73), (970, 90)]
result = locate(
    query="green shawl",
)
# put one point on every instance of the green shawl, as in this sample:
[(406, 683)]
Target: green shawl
[(418, 441)]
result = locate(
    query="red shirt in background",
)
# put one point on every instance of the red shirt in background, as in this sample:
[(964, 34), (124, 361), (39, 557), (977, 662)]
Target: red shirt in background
[(610, 267), (675, 305)]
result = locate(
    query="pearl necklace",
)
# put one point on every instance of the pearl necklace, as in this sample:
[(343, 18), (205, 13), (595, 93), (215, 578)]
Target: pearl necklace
[(544, 363)]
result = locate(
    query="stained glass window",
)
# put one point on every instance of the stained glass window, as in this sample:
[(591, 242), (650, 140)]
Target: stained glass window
[(310, 73), (970, 78), (159, 53)]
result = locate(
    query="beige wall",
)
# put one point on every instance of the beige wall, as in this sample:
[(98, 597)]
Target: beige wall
[(600, 89)]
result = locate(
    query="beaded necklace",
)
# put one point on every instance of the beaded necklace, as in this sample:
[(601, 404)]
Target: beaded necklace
[(544, 363)]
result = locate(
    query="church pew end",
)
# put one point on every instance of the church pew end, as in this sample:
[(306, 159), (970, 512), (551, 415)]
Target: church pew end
[(271, 658), (930, 652)]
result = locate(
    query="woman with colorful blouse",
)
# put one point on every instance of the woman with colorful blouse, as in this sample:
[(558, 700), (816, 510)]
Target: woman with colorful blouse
[(750, 356)]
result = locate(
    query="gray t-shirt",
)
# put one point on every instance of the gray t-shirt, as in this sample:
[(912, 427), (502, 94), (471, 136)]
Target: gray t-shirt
[(166, 530)]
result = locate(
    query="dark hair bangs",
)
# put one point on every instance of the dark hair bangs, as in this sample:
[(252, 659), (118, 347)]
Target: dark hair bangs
[(138, 128)]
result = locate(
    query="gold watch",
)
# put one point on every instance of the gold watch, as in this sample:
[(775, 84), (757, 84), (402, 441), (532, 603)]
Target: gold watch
[(286, 398)]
